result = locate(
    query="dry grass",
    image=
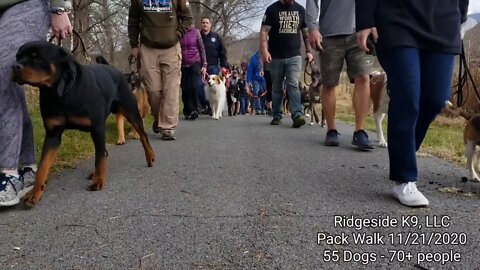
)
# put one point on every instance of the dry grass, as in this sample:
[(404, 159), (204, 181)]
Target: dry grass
[(444, 138)]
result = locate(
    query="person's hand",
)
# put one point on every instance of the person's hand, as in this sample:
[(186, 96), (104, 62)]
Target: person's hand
[(315, 39), (266, 57), (309, 57), (203, 71), (224, 71), (61, 26), (135, 53), (362, 37)]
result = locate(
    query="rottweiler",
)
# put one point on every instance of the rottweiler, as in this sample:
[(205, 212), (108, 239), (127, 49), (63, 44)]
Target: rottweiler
[(75, 96)]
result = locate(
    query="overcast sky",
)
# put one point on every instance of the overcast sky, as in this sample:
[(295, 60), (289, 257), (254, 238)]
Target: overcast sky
[(474, 7)]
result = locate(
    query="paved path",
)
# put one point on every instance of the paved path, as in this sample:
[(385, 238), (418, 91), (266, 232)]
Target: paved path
[(241, 194)]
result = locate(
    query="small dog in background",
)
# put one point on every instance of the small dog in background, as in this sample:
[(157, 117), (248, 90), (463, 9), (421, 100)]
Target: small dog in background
[(141, 96), (380, 100), (312, 96), (471, 138), (216, 92)]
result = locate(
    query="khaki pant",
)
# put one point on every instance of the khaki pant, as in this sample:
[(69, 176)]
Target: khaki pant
[(162, 74)]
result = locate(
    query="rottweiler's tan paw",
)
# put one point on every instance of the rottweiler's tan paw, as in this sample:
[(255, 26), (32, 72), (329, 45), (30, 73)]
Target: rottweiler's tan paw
[(31, 199)]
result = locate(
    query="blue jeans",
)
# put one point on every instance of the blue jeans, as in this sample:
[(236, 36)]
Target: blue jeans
[(258, 89), (288, 69), (419, 84), (244, 102), (202, 99)]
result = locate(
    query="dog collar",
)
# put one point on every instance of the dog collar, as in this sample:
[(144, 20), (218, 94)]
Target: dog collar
[(63, 86)]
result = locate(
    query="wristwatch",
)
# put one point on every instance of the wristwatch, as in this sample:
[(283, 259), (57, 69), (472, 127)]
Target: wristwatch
[(58, 10)]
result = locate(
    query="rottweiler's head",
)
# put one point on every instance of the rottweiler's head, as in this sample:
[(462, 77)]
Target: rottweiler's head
[(41, 63)]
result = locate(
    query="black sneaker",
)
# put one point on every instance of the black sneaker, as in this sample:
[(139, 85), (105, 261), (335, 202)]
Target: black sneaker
[(276, 122), (360, 140), (155, 127), (298, 121), (331, 139), (194, 115)]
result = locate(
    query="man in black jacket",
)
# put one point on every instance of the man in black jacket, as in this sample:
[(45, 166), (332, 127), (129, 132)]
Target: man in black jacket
[(216, 55)]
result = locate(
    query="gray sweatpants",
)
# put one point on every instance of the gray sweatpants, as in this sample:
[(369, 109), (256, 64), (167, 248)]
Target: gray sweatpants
[(24, 22)]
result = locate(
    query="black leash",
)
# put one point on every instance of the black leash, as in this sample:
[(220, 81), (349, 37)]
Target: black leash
[(464, 75), (309, 73), (132, 60), (80, 42)]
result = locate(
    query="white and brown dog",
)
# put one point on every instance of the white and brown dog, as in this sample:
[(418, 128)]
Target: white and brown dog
[(380, 100), (216, 92), (471, 138)]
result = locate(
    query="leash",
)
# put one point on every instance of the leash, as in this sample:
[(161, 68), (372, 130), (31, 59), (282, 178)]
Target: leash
[(204, 76), (464, 76), (309, 73), (80, 42), (132, 60)]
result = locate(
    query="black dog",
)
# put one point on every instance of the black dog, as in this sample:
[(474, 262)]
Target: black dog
[(75, 96), (311, 96)]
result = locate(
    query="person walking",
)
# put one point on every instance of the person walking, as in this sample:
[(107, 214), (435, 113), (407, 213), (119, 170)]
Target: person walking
[(194, 65), (160, 53), (21, 22), (216, 57), (416, 48), (256, 81), (280, 45), (331, 27)]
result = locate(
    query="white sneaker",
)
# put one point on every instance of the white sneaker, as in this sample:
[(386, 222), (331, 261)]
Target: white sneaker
[(409, 195), (12, 189)]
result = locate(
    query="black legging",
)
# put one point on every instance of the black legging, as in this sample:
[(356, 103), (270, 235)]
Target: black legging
[(189, 85)]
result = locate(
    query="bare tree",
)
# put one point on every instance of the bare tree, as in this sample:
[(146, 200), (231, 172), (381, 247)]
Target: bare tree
[(102, 24), (232, 19)]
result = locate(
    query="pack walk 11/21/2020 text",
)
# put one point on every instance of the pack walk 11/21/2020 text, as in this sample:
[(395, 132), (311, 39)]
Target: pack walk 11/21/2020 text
[(396, 237)]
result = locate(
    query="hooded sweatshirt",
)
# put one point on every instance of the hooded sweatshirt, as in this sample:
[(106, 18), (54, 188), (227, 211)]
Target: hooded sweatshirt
[(423, 24), (159, 23)]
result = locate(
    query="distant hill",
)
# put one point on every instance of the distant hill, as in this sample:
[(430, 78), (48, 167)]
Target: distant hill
[(475, 16), (472, 38), (242, 49)]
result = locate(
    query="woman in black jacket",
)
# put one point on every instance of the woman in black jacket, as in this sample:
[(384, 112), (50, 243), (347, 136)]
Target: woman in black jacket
[(416, 42)]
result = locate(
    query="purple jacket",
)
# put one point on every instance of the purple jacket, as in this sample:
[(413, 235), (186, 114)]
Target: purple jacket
[(193, 51)]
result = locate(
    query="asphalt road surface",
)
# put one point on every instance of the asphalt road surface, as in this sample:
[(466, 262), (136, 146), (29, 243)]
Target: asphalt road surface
[(241, 194)]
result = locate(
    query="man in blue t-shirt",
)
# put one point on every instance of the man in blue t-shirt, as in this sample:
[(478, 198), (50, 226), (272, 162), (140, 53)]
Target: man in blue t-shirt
[(280, 45)]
